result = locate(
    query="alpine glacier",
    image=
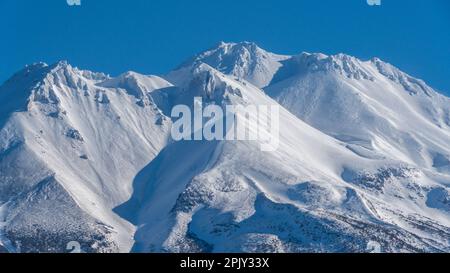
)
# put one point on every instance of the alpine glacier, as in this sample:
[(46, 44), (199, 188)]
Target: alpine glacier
[(363, 158)]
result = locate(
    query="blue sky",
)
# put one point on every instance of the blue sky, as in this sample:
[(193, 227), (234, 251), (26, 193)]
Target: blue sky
[(153, 36)]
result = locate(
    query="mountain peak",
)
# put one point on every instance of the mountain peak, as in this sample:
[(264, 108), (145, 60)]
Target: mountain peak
[(244, 44), (59, 65), (62, 63), (245, 60)]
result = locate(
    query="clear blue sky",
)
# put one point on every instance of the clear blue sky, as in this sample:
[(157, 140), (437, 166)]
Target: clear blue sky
[(154, 36)]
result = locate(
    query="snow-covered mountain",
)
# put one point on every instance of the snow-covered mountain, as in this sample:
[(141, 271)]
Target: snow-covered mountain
[(71, 142), (363, 159)]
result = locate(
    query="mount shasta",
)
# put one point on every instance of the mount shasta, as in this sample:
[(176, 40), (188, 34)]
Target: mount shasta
[(363, 158)]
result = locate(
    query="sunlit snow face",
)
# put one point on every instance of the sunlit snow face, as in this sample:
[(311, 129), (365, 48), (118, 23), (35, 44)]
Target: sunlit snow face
[(235, 122)]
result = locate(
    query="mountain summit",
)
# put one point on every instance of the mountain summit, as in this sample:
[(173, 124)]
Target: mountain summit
[(244, 60)]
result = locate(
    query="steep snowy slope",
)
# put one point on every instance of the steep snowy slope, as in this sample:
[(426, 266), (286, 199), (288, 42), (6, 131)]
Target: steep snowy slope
[(71, 142), (312, 194)]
